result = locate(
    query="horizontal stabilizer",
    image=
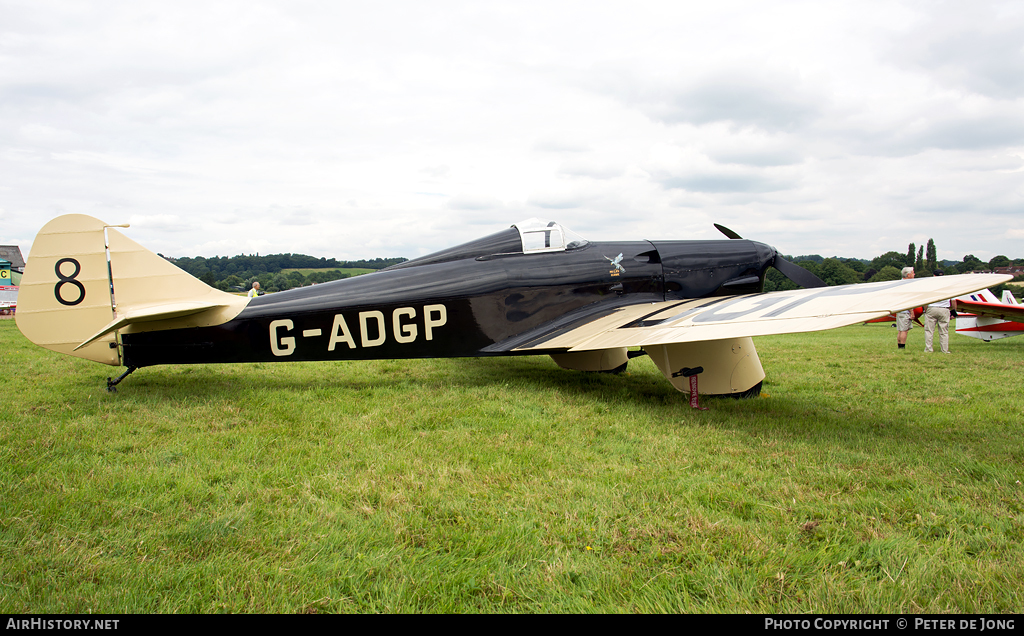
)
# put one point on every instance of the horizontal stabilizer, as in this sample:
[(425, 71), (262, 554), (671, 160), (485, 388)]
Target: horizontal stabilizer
[(149, 314)]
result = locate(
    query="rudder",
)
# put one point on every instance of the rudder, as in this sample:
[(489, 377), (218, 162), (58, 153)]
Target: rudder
[(65, 291)]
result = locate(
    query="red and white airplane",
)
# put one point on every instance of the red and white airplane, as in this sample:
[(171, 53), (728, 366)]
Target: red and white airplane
[(981, 315)]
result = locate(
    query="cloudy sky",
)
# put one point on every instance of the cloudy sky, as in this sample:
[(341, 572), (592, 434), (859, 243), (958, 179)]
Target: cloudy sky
[(357, 129)]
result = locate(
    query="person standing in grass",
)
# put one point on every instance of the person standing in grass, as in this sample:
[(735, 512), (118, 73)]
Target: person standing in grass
[(255, 291), (905, 318), (938, 314)]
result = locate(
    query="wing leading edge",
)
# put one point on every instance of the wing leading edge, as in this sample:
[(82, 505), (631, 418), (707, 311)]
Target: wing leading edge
[(764, 314)]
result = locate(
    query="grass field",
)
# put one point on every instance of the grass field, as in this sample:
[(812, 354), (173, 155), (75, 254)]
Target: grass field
[(863, 480), (306, 271)]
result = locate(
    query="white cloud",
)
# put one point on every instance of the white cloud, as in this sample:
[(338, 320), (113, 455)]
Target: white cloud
[(592, 168), (474, 202), (160, 222), (742, 97), (975, 47)]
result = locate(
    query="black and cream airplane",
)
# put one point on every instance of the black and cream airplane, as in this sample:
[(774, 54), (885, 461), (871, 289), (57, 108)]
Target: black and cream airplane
[(533, 288)]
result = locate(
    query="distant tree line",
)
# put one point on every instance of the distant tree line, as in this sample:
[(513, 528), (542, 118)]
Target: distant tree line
[(844, 271), (236, 273)]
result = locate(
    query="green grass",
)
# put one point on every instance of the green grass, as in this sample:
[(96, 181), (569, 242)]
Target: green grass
[(863, 480), (306, 271)]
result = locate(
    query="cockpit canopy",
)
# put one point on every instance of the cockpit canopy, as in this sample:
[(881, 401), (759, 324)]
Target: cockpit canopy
[(547, 236), (531, 236)]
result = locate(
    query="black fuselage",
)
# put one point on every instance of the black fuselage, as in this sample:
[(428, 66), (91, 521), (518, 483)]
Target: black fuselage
[(482, 298)]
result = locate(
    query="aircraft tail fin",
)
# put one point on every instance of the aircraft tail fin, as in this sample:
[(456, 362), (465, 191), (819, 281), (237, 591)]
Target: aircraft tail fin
[(84, 281)]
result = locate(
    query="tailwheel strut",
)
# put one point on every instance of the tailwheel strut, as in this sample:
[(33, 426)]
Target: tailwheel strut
[(112, 384)]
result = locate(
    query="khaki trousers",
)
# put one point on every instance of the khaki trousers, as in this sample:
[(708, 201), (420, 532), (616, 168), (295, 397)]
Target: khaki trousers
[(936, 316)]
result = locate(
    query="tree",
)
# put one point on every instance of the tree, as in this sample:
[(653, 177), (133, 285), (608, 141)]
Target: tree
[(971, 263), (998, 261), (296, 279), (886, 273), (835, 272), (231, 283), (919, 264), (810, 266), (278, 282), (891, 259), (855, 264), (909, 262), (930, 262)]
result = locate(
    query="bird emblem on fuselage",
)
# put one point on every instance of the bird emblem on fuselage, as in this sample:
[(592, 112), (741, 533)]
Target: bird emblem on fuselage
[(616, 263)]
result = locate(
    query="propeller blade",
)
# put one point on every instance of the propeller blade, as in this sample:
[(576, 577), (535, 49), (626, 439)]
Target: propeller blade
[(797, 274), (727, 232)]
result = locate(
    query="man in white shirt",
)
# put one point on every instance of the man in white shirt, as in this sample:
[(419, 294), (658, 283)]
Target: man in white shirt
[(255, 291), (938, 314)]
